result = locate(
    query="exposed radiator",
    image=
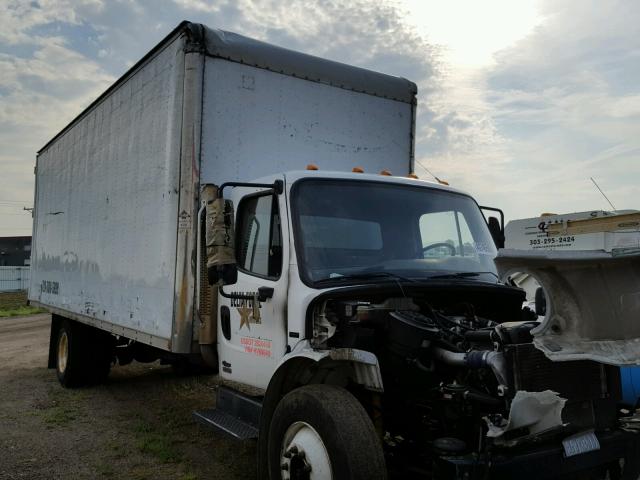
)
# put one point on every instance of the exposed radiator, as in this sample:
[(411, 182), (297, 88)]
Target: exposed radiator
[(590, 388), (575, 380)]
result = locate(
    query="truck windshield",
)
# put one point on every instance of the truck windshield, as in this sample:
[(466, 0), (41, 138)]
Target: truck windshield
[(350, 231)]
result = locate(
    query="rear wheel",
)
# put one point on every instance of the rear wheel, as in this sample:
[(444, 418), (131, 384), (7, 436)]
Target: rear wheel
[(83, 354), (322, 432)]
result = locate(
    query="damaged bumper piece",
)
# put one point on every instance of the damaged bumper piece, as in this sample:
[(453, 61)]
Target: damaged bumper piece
[(593, 303)]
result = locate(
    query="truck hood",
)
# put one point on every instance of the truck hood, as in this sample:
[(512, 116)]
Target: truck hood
[(593, 302)]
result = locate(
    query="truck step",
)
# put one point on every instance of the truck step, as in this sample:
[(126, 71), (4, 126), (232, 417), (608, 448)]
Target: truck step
[(235, 414), (227, 423)]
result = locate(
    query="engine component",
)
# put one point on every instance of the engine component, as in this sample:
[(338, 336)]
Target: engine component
[(408, 332), (449, 445), (476, 359)]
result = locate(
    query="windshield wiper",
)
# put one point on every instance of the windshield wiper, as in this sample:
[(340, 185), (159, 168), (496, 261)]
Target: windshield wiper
[(462, 275), (366, 276)]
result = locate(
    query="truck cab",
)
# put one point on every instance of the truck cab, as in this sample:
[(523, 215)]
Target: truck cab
[(328, 231), (366, 311)]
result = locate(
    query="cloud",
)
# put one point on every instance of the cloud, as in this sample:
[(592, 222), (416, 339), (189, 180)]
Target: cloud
[(558, 106), (57, 56), (45, 82), (567, 98)]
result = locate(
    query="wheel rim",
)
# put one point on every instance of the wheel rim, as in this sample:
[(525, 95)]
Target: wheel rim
[(63, 352), (303, 455)]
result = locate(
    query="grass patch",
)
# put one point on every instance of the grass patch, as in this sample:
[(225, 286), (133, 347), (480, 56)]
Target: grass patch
[(60, 415), (189, 476), (14, 304), (21, 311), (60, 408), (156, 443), (105, 469)]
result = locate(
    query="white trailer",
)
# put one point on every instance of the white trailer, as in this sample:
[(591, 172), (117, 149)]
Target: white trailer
[(362, 308)]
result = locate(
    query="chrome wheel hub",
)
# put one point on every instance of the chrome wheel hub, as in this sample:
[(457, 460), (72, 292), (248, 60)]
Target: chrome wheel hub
[(303, 455), (63, 352)]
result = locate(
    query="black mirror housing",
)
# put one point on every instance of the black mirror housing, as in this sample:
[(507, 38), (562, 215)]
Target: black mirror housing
[(541, 302), (222, 274), (497, 233)]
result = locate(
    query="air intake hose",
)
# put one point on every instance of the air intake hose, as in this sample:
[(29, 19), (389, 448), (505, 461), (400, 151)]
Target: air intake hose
[(475, 359)]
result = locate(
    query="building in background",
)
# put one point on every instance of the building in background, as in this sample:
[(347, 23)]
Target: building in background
[(15, 251), (15, 258)]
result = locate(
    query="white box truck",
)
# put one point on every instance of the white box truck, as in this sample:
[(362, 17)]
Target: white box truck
[(363, 308)]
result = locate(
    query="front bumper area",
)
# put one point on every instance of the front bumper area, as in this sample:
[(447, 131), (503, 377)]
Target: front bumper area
[(546, 462)]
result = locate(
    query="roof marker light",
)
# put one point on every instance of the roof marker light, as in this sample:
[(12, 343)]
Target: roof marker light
[(386, 173), (357, 170), (413, 175), (311, 166)]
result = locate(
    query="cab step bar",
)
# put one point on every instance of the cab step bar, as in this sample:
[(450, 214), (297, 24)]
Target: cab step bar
[(236, 414)]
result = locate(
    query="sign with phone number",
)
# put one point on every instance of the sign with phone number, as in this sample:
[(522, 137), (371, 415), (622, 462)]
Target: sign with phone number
[(552, 241)]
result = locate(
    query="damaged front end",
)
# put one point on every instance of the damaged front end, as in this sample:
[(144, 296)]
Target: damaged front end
[(467, 394), (593, 302)]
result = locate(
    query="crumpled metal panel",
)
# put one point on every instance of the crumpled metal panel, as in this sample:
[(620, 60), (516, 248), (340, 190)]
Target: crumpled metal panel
[(593, 303), (536, 411)]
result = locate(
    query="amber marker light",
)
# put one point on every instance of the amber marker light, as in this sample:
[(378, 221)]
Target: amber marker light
[(386, 173), (413, 175), (357, 170), (311, 166)]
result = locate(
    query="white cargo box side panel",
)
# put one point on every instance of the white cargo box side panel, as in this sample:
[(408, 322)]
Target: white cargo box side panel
[(257, 122), (107, 206)]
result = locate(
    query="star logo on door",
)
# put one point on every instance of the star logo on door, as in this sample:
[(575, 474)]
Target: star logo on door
[(244, 312)]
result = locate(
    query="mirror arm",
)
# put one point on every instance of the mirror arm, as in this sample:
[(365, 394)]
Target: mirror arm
[(500, 212), (277, 186)]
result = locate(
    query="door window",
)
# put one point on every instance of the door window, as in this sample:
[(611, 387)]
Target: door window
[(259, 241)]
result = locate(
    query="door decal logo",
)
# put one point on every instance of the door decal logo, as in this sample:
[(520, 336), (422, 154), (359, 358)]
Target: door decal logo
[(248, 309), (245, 312)]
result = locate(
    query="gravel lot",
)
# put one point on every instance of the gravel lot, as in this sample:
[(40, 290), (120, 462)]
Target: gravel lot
[(137, 426)]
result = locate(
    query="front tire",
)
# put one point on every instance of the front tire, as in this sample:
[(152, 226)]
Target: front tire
[(323, 432)]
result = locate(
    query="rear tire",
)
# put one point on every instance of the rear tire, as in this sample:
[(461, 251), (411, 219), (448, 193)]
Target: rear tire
[(322, 431), (83, 354)]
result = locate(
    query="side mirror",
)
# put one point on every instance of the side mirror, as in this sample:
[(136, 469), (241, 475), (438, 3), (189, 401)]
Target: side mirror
[(220, 241), (496, 227), (541, 302), (496, 231)]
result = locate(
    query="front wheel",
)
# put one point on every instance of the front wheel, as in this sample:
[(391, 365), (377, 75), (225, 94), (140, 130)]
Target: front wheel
[(323, 432)]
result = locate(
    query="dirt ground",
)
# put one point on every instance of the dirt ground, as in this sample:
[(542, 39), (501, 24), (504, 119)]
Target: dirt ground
[(136, 426)]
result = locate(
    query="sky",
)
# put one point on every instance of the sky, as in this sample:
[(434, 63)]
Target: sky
[(520, 101)]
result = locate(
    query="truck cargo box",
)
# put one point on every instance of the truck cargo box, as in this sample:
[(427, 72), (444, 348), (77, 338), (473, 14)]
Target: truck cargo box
[(118, 190)]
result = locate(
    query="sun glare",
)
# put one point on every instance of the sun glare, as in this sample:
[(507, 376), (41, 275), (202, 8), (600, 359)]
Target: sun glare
[(472, 31)]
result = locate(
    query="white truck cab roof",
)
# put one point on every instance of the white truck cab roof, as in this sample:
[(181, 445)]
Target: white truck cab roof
[(294, 175)]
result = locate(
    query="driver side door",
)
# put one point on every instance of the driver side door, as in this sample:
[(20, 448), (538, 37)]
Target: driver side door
[(252, 332)]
